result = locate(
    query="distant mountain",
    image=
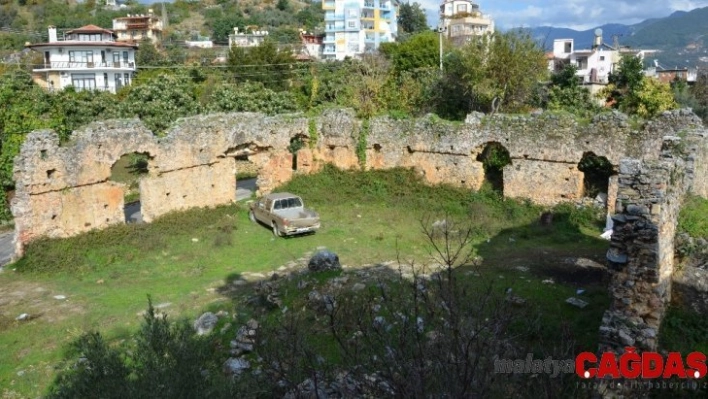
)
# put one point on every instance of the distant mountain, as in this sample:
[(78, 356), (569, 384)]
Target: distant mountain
[(545, 35), (682, 37)]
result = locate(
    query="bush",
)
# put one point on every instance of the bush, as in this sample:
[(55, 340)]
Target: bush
[(164, 360)]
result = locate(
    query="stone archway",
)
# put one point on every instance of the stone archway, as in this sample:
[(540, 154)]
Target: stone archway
[(597, 171), (494, 157), (128, 170)]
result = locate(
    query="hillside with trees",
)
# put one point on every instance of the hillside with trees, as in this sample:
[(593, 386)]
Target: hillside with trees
[(506, 72)]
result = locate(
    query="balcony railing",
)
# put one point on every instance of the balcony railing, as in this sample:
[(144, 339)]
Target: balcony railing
[(334, 17), (87, 65), (368, 4)]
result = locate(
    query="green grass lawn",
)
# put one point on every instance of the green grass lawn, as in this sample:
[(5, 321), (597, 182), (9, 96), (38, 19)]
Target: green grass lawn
[(182, 259)]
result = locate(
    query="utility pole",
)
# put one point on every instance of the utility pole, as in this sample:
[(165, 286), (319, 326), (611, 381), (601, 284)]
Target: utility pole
[(441, 29)]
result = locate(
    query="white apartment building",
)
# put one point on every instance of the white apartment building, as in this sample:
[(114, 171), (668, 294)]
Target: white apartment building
[(355, 27), (462, 20), (87, 58)]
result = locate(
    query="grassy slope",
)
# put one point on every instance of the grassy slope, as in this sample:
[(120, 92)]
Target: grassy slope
[(368, 218)]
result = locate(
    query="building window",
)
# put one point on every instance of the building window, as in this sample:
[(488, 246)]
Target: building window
[(602, 58), (462, 8), (126, 78), (105, 81), (119, 84), (351, 24), (568, 47), (83, 81), (83, 57), (93, 37), (125, 57)]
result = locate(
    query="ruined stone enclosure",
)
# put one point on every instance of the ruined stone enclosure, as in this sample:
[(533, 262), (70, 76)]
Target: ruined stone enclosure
[(64, 190)]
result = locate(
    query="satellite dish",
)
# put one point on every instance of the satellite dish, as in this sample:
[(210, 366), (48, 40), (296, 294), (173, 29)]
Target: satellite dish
[(598, 32)]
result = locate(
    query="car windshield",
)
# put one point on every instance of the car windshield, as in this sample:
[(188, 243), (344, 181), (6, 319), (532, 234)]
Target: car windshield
[(286, 203)]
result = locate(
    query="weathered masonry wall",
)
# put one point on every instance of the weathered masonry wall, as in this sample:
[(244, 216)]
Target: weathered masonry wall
[(65, 190), (641, 255)]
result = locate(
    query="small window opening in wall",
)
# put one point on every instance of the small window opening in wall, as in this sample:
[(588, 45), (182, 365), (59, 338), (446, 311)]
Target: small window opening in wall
[(494, 158), (129, 170), (597, 171), (50, 173), (377, 147), (43, 154)]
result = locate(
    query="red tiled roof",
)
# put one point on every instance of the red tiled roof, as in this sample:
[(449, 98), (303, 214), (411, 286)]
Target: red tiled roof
[(82, 43), (89, 29)]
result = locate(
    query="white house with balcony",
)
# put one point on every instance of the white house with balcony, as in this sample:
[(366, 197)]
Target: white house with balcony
[(462, 20), (87, 58), (355, 27), (595, 64)]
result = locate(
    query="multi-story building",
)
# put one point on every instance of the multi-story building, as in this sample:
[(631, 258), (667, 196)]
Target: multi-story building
[(137, 27), (311, 48), (462, 20), (595, 64), (87, 58), (355, 27)]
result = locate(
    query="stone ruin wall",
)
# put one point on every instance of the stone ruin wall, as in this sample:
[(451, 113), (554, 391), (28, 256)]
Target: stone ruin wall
[(64, 190)]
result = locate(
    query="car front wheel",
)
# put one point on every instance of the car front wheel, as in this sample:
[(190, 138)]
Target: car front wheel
[(251, 216), (276, 232)]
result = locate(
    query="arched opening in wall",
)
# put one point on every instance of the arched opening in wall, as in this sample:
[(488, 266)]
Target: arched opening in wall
[(296, 144), (128, 170), (597, 172), (246, 176), (494, 158)]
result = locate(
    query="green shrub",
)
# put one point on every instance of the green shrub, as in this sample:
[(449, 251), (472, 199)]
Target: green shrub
[(692, 218), (164, 360)]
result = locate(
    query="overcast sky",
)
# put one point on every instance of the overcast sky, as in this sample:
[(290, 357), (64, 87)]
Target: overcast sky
[(574, 14)]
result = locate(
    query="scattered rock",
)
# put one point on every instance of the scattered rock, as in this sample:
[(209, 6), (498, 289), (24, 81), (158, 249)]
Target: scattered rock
[(576, 302), (625, 338), (324, 260), (163, 305), (195, 240), (100, 281), (205, 323), (235, 366), (60, 297), (548, 281), (649, 332), (579, 291), (616, 256), (522, 269), (302, 284), (358, 287), (252, 324), (23, 317)]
